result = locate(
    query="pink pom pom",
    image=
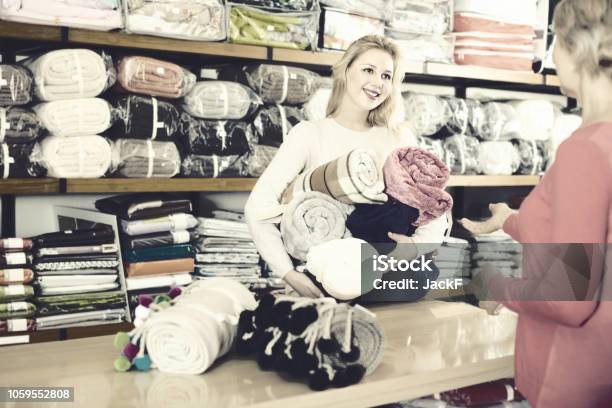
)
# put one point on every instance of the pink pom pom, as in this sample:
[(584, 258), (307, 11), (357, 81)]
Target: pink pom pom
[(130, 351), (145, 300), (174, 292)]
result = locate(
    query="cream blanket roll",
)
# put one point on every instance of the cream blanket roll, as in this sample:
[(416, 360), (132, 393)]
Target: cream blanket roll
[(76, 157), (75, 117)]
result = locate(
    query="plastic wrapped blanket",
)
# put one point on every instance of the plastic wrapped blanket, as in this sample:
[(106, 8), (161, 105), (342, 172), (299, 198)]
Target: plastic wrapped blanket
[(432, 146), (71, 73), (142, 117), (222, 137), (498, 121), (426, 114), (15, 85), (154, 77), (497, 158), (536, 118), (370, 8), (145, 158), (420, 16), (19, 125), (259, 158), (340, 28), (461, 154), (101, 15), (221, 100), (75, 117), (76, 157), (533, 156), (215, 166), (199, 20), (21, 161), (282, 84), (249, 25), (289, 5), (273, 123)]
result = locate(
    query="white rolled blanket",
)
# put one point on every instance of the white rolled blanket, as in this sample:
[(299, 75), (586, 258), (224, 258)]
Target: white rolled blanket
[(311, 219), (75, 117), (221, 100), (76, 157), (498, 158), (70, 74)]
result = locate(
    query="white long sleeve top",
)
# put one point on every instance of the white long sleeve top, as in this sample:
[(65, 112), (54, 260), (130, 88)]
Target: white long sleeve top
[(310, 144)]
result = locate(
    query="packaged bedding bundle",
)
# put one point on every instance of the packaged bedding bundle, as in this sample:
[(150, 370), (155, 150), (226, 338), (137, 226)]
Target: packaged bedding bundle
[(19, 125), (221, 100), (197, 20), (16, 84), (21, 160), (103, 15), (150, 76), (139, 158), (144, 117)]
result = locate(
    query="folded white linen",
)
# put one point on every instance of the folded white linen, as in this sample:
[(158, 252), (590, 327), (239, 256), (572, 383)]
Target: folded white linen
[(179, 279)]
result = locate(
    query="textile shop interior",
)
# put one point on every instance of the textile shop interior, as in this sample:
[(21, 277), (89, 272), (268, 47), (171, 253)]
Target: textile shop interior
[(131, 135)]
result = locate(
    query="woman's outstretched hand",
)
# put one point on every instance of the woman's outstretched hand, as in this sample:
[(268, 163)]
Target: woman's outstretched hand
[(500, 213), (302, 284)]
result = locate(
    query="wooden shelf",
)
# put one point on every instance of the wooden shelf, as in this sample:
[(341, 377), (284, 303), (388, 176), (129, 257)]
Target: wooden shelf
[(493, 181), (29, 186), (21, 31), (120, 185), (481, 73)]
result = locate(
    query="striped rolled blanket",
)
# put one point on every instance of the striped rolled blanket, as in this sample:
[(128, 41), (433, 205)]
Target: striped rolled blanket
[(221, 100), (76, 157), (15, 85), (417, 178), (154, 77), (352, 178), (145, 158), (75, 117), (19, 125), (71, 73), (311, 219)]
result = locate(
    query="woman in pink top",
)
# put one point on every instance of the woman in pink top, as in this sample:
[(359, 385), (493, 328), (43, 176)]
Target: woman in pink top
[(564, 348)]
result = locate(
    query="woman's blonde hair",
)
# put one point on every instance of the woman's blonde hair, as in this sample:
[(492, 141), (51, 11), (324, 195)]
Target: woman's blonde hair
[(386, 114), (584, 29)]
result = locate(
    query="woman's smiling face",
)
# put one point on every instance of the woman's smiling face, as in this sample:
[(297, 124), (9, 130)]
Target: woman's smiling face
[(368, 79)]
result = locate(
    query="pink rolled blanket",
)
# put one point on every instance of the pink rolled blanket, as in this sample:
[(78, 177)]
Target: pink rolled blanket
[(417, 178)]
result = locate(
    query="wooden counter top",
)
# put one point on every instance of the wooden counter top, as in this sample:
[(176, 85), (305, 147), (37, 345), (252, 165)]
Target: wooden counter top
[(430, 347)]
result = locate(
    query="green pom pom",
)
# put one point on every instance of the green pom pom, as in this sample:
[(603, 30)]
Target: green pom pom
[(121, 340), (142, 363), (164, 305), (162, 298), (122, 364)]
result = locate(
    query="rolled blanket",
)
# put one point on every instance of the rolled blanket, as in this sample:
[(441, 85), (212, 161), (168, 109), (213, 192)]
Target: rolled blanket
[(154, 77), (172, 222), (21, 161), (536, 118), (221, 100), (423, 17), (75, 117), (71, 73), (220, 137), (142, 117), (14, 310), (500, 122), (310, 219), (15, 85), (371, 222), (16, 275), (17, 325), (97, 236), (15, 244), (146, 158), (140, 206), (159, 239), (498, 158), (432, 146), (215, 166), (461, 154), (352, 178), (426, 114), (417, 178), (19, 125), (187, 338), (259, 158), (12, 293), (273, 123), (76, 157)]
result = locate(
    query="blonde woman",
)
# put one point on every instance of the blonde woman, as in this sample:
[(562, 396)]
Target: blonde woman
[(563, 348), (361, 113)]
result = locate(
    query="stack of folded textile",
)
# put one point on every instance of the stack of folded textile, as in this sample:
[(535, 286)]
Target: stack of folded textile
[(16, 276), (226, 249), (495, 34), (454, 259), (156, 232), (77, 279), (103, 15), (499, 251), (421, 28)]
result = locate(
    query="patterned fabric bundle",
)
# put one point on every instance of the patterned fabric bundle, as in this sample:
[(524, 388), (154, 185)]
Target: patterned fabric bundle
[(248, 25), (329, 344), (274, 122), (15, 85), (75, 262), (15, 310), (417, 178), (295, 5), (221, 100), (215, 166), (217, 137), (145, 158), (75, 117), (259, 159), (533, 156), (432, 146), (71, 73), (142, 117), (422, 17), (498, 158), (427, 114), (159, 239), (62, 304), (16, 275), (154, 77), (461, 154), (142, 206), (352, 178), (310, 219), (21, 161), (200, 20), (19, 125), (76, 157)]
